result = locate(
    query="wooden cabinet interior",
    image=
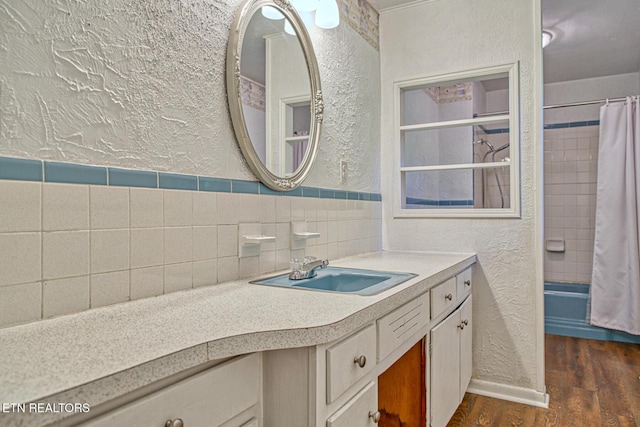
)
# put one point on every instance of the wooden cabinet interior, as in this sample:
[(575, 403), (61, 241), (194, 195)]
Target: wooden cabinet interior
[(402, 392)]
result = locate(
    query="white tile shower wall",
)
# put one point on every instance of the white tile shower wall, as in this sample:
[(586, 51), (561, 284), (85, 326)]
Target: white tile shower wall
[(571, 160), (68, 248)]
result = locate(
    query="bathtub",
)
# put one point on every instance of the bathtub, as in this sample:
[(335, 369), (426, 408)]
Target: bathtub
[(565, 313)]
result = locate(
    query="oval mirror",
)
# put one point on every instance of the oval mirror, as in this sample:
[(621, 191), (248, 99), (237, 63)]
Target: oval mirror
[(273, 86)]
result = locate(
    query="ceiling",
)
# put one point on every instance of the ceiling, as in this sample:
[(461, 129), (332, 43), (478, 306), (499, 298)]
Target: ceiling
[(592, 38)]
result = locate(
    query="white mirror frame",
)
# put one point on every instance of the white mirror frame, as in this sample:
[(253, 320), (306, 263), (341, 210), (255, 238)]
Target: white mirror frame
[(234, 53), (512, 71)]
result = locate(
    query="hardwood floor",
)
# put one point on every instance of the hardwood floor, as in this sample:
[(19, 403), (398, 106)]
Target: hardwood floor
[(590, 384)]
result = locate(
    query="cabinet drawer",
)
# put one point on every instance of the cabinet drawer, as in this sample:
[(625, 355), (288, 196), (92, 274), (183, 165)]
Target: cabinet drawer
[(356, 412), (343, 369), (442, 297), (463, 283), (397, 326), (206, 399)]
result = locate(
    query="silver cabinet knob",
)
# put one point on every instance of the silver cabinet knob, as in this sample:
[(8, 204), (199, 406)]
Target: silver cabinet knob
[(467, 282), (466, 322), (174, 423), (448, 297), (375, 416), (360, 361)]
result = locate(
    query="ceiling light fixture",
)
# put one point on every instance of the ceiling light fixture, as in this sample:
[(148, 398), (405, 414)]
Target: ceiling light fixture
[(547, 36), (327, 14)]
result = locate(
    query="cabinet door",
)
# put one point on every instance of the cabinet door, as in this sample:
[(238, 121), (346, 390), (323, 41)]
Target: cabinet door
[(445, 370), (357, 412), (402, 391), (466, 350)]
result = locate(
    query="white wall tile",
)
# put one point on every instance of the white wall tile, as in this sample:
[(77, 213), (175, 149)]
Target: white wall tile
[(146, 207), (147, 247), (109, 250), (205, 273), (65, 254), (267, 261), (178, 244), (297, 209), (228, 206), (227, 269), (283, 235), (178, 277), (322, 228), (249, 208), (65, 296), (178, 208), (268, 230), (205, 243), (227, 241), (310, 209), (205, 208), (147, 282), (20, 303), (65, 207), (249, 267), (283, 259), (20, 206), (109, 288), (283, 209), (20, 261), (268, 209), (108, 207)]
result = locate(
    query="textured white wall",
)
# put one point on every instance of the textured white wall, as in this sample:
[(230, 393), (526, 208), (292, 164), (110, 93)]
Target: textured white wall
[(141, 85), (597, 88), (437, 37)]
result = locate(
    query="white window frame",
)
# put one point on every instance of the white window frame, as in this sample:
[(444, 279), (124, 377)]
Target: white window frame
[(511, 71)]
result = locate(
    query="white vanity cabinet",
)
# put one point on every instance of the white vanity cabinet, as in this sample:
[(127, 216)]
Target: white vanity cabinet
[(450, 364), (226, 395), (341, 384)]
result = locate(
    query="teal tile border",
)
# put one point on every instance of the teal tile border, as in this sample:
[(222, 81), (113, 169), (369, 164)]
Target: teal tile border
[(17, 169), (246, 187), (218, 185), (174, 181), (73, 173), (132, 178), (20, 169), (267, 191)]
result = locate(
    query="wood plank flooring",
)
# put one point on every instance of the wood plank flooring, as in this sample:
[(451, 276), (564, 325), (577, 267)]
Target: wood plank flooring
[(590, 384)]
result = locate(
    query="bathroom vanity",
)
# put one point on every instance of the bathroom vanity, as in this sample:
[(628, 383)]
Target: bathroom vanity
[(238, 354)]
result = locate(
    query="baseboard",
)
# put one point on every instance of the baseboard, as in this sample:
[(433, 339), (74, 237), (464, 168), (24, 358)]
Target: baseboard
[(581, 329), (511, 393)]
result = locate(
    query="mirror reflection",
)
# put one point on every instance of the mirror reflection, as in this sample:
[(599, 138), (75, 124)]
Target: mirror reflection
[(275, 92)]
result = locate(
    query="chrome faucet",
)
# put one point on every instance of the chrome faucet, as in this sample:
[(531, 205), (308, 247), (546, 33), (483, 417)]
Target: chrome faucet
[(308, 268)]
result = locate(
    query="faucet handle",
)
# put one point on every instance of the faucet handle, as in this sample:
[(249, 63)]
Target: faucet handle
[(309, 259)]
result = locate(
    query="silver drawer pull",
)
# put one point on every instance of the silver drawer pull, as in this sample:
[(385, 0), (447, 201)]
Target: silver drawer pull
[(467, 282), (174, 423), (360, 361), (375, 416), (448, 297)]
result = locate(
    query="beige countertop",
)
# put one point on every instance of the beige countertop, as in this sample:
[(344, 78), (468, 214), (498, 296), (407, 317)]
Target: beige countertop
[(100, 354)]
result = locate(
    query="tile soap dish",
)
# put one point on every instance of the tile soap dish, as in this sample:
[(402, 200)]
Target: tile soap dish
[(250, 238)]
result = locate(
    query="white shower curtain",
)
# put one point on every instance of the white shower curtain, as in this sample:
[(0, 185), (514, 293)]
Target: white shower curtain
[(615, 282)]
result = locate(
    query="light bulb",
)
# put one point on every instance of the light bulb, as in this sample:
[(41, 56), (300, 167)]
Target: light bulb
[(305, 5), (327, 14), (271, 12), (546, 38)]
